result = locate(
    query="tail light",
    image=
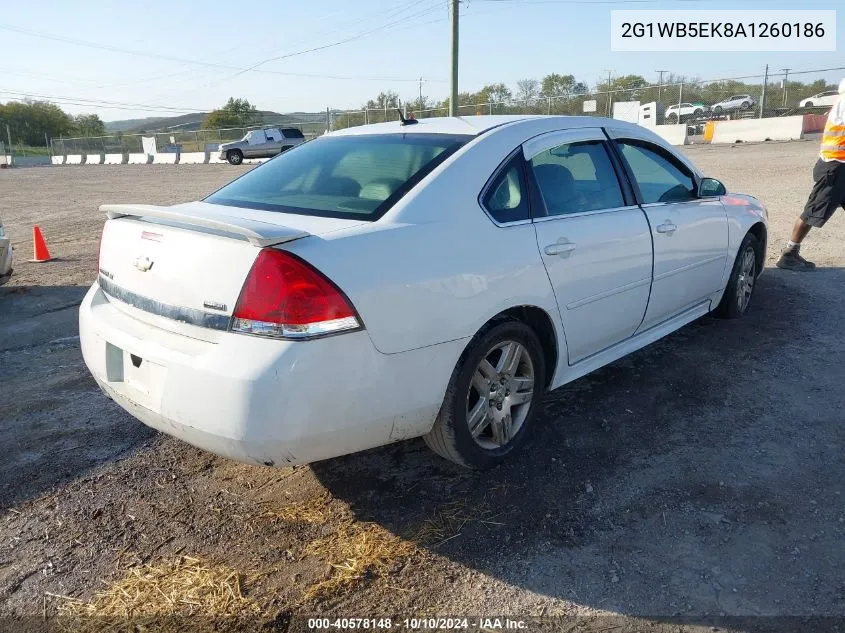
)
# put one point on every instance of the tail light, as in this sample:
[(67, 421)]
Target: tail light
[(284, 297)]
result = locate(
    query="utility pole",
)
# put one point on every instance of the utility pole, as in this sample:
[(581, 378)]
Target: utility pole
[(453, 93), (609, 94), (660, 83), (763, 96), (421, 103), (785, 80)]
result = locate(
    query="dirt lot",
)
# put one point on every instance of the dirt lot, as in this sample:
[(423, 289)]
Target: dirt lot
[(700, 477)]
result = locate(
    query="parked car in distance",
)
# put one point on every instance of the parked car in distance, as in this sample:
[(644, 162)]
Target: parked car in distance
[(685, 111), (5, 255), (261, 144), (734, 102), (398, 280), (827, 98)]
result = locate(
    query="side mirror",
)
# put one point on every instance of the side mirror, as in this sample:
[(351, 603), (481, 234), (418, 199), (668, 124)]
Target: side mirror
[(711, 188)]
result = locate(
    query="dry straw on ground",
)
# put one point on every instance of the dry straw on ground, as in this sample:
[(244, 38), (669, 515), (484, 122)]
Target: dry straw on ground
[(182, 587)]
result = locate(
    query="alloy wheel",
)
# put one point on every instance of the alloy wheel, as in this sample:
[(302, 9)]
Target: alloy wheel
[(745, 280), (500, 394)]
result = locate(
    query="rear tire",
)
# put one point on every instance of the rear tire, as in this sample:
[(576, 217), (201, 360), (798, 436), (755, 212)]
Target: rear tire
[(740, 288), (235, 156), (809, 104), (497, 386), (717, 110), (745, 105)]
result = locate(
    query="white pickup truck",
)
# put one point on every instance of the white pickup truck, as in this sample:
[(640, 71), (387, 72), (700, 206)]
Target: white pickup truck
[(261, 144)]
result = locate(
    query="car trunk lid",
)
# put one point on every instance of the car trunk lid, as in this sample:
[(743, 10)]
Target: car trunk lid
[(183, 267)]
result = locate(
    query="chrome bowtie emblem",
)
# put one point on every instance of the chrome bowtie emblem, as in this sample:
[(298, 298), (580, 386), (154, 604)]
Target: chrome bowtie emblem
[(143, 263)]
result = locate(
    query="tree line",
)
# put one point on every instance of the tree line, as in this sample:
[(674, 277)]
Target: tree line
[(34, 122)]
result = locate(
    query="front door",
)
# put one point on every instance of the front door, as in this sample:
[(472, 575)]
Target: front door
[(690, 233), (595, 244)]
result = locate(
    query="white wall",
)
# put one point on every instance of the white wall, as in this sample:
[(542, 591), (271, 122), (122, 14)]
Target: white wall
[(672, 134), (783, 128)]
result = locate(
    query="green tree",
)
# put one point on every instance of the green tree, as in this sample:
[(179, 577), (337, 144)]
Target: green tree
[(88, 125), (527, 91), (383, 100), (30, 121), (236, 113), (561, 86)]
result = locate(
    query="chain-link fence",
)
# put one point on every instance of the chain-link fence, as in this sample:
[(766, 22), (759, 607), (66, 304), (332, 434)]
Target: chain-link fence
[(693, 102)]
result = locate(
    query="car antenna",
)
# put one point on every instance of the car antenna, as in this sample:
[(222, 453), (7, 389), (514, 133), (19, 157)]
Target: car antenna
[(404, 121)]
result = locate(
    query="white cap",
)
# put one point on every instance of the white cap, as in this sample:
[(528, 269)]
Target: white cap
[(842, 87)]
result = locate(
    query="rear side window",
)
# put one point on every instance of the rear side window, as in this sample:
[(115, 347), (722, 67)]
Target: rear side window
[(292, 132), (659, 177), (506, 199), (354, 177), (577, 177)]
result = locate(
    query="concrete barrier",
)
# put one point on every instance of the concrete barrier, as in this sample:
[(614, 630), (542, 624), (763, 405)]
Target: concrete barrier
[(214, 158), (672, 134), (5, 161), (115, 159), (784, 128), (57, 160), (139, 159), (193, 158), (93, 159), (165, 158), (75, 159)]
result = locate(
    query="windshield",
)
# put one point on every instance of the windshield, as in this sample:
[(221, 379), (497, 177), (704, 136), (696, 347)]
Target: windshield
[(354, 177)]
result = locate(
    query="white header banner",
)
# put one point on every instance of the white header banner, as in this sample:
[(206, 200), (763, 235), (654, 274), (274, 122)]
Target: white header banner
[(723, 30)]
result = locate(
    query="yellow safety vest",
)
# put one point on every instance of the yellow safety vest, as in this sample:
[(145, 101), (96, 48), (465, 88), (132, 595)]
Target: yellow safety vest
[(833, 139)]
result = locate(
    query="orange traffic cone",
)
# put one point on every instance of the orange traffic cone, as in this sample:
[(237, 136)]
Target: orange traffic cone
[(41, 254)]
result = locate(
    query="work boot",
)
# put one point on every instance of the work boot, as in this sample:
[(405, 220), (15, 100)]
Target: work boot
[(790, 259)]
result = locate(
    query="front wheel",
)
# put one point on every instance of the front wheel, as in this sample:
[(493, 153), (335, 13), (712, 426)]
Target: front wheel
[(740, 286), (235, 156), (717, 110), (492, 397), (809, 104), (745, 105)]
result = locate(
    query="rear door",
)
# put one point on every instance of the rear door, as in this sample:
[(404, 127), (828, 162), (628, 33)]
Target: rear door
[(690, 234), (593, 239)]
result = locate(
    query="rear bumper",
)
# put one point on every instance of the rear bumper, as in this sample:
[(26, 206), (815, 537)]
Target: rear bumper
[(263, 401)]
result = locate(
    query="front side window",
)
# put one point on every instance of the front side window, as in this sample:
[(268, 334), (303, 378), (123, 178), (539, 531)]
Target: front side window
[(353, 177), (506, 199), (659, 177), (576, 177)]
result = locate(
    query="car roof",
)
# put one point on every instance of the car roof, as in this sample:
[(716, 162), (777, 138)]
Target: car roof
[(473, 125)]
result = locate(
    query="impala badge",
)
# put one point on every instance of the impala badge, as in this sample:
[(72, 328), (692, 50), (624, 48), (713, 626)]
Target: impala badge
[(213, 305), (143, 263)]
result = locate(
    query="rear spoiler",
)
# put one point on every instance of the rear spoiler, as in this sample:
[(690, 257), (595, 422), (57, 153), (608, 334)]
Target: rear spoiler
[(256, 232)]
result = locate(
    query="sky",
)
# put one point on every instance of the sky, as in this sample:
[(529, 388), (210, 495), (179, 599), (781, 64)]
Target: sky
[(136, 59)]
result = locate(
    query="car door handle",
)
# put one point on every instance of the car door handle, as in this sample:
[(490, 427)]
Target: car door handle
[(561, 247), (667, 227)]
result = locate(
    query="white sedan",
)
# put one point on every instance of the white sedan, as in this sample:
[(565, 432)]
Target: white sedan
[(822, 99), (392, 281)]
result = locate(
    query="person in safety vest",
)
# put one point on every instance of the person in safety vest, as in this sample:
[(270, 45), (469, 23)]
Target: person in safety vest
[(829, 190)]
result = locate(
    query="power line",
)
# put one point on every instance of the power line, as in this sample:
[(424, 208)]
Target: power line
[(239, 69)]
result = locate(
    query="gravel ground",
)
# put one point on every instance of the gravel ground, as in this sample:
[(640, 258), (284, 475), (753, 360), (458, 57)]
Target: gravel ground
[(699, 477)]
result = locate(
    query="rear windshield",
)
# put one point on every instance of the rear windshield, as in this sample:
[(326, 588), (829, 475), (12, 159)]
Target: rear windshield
[(353, 177), (292, 132)]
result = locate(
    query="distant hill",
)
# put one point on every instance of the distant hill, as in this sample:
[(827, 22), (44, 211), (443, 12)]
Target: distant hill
[(191, 122)]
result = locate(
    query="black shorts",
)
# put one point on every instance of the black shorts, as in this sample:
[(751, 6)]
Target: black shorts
[(827, 194)]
